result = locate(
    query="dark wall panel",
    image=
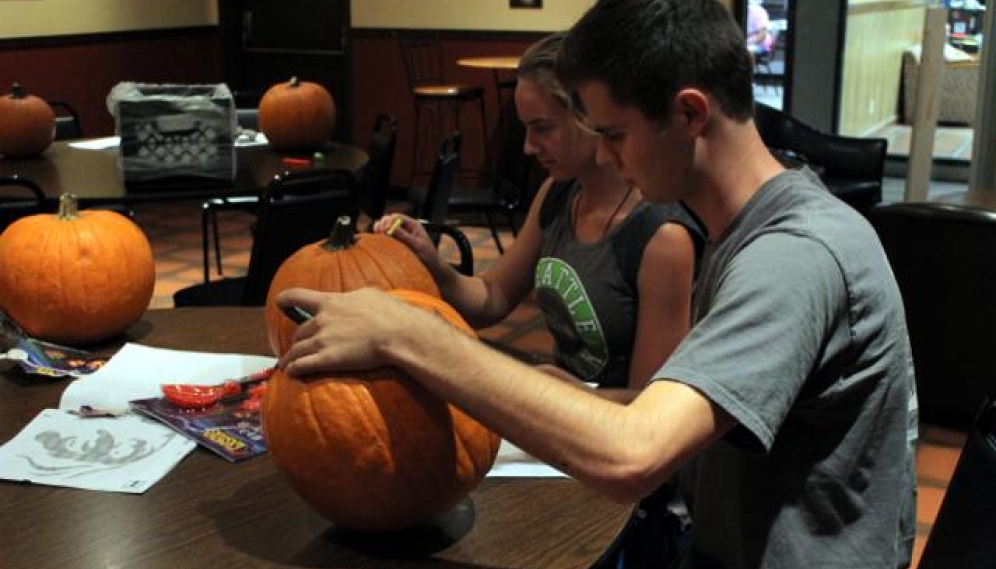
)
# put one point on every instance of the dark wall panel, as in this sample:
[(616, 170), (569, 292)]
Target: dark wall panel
[(82, 69), (379, 85)]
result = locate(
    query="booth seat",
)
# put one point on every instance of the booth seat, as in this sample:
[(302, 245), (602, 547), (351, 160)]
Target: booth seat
[(958, 89)]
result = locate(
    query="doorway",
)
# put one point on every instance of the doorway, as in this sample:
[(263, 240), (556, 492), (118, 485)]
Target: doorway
[(269, 41)]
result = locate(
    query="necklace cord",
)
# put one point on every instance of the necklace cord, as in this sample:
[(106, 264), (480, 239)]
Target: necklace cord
[(608, 222)]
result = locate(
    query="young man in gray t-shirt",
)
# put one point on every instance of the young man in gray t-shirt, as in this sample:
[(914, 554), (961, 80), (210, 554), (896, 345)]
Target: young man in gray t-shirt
[(790, 404), (799, 335)]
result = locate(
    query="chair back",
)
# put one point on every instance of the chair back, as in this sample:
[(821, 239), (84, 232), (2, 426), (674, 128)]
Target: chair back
[(962, 536), (942, 257), (19, 197), (296, 209), (67, 121), (851, 167), (375, 181), (444, 175), (423, 59), (465, 266)]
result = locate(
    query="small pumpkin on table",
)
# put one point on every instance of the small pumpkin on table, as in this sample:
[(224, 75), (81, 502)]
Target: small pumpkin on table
[(297, 116), (75, 277)]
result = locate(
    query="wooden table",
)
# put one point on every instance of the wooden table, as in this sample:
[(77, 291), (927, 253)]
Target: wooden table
[(95, 177), (210, 513)]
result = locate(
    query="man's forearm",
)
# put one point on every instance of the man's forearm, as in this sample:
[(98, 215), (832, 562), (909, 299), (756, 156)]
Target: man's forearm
[(563, 424)]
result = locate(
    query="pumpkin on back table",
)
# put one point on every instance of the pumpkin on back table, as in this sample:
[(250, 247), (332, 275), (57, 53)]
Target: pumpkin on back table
[(375, 450), (73, 277), (27, 124), (297, 115)]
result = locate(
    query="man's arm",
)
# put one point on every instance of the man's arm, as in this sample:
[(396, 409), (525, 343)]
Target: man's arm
[(625, 451)]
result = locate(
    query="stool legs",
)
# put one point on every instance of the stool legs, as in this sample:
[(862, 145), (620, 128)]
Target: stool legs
[(209, 218)]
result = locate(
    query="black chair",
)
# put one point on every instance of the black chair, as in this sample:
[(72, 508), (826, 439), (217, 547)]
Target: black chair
[(372, 186), (296, 209), (464, 249), (963, 533), (942, 257), (19, 197), (509, 190), (433, 93), (432, 203), (248, 120), (851, 167), (67, 121), (375, 181)]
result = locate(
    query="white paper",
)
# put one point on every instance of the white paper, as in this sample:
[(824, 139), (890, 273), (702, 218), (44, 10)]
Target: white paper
[(121, 454), (251, 138), (513, 462), (137, 372), (98, 143)]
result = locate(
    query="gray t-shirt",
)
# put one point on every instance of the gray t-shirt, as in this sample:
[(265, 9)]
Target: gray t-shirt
[(800, 335)]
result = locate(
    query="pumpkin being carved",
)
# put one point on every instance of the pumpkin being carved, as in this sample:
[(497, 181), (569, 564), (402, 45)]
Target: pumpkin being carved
[(343, 262), (375, 451), (75, 278), (297, 115), (27, 124)]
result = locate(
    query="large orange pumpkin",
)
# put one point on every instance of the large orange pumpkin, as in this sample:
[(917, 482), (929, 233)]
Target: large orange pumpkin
[(27, 124), (297, 115), (375, 450), (75, 277), (343, 262)]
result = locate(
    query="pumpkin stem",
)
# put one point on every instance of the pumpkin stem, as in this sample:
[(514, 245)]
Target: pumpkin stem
[(343, 235), (16, 91), (68, 207), (295, 82)]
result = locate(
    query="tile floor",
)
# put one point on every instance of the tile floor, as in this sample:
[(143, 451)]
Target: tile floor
[(174, 230)]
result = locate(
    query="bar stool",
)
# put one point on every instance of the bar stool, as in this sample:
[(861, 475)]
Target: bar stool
[(433, 93)]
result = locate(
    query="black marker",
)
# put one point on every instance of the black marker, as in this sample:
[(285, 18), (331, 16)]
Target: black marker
[(297, 314)]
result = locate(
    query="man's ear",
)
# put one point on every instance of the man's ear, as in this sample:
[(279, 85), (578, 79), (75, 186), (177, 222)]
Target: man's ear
[(691, 110)]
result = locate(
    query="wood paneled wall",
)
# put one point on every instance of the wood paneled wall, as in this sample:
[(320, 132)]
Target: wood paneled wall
[(81, 70), (877, 33)]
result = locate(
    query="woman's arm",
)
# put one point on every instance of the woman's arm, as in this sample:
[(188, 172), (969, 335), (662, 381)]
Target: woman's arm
[(486, 299), (664, 285)]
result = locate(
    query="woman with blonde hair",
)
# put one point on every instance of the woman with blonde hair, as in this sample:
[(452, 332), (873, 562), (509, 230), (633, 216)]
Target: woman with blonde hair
[(612, 273)]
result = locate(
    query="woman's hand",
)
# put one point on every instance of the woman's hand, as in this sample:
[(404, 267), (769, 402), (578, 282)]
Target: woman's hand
[(410, 232)]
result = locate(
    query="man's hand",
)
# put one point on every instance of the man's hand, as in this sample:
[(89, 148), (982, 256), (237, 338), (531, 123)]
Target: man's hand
[(349, 331)]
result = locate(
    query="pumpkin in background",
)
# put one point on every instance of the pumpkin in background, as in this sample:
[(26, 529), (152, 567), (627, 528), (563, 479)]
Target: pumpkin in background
[(27, 123), (75, 277), (343, 262), (374, 450), (297, 115)]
